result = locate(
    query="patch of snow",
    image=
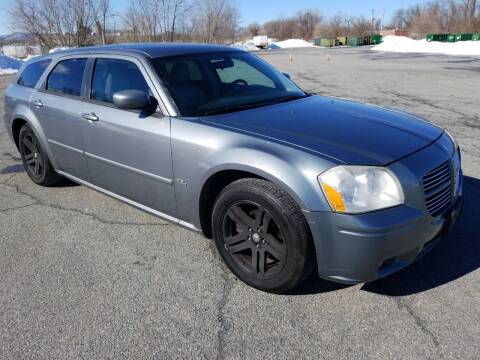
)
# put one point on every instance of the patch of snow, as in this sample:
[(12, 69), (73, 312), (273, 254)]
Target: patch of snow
[(9, 65), (245, 46), (404, 44), (8, 71), (58, 49), (30, 57), (291, 43)]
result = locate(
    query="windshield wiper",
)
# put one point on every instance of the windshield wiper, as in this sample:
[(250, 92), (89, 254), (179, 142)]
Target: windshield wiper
[(233, 108)]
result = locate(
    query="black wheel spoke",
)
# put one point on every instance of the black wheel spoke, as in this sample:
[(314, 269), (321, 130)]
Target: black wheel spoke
[(260, 264), (266, 220), (241, 246), (29, 145), (253, 239), (259, 215), (37, 167), (232, 240), (239, 217), (30, 161), (274, 247)]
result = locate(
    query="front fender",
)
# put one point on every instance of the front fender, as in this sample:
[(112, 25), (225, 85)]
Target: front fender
[(290, 175)]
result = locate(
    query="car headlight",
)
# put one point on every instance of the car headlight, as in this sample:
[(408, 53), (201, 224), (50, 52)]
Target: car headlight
[(358, 189)]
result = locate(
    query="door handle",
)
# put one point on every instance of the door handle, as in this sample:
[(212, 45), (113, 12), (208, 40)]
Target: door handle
[(37, 103), (90, 117)]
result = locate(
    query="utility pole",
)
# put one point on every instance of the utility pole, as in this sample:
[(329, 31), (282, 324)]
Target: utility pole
[(373, 21)]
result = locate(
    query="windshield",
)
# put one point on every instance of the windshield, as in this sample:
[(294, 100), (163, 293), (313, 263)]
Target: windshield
[(214, 83)]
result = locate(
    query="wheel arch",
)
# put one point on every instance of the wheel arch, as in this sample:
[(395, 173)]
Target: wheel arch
[(222, 176), (19, 121), (17, 124)]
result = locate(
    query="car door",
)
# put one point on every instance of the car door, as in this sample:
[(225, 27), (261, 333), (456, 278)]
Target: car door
[(127, 152), (57, 105)]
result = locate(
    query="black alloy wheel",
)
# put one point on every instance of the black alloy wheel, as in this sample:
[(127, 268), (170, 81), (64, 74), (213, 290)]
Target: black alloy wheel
[(262, 235), (34, 158), (253, 239)]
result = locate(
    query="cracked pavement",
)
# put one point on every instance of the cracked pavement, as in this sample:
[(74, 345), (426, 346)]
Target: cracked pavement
[(85, 276)]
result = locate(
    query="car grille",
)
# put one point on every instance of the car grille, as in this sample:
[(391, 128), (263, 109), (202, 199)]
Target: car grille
[(437, 185)]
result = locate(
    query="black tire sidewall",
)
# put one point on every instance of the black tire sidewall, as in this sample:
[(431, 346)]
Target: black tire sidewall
[(27, 130), (293, 267)]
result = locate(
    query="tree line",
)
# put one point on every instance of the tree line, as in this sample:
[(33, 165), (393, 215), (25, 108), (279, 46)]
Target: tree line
[(85, 22)]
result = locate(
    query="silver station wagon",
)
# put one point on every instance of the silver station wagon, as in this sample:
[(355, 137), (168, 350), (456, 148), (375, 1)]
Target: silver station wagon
[(216, 140)]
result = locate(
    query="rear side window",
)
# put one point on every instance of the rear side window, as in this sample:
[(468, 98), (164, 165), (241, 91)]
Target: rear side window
[(32, 73), (66, 77), (112, 75)]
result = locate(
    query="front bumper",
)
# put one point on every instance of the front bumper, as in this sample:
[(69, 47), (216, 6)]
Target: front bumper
[(362, 248)]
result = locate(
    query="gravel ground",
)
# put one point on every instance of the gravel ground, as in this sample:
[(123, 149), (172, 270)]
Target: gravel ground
[(84, 276)]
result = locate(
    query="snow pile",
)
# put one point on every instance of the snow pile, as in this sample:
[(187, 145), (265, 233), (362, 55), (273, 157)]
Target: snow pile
[(30, 57), (245, 46), (58, 49), (292, 43), (404, 44), (9, 65)]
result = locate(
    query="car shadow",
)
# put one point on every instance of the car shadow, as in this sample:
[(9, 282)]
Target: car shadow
[(18, 168), (12, 169), (455, 256)]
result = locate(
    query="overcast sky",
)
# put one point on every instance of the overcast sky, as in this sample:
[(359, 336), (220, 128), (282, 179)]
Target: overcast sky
[(264, 10)]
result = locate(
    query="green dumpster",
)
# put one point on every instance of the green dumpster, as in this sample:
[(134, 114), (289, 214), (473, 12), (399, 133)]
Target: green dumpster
[(355, 41), (438, 37), (342, 40), (325, 42), (375, 39), (465, 37), (452, 38)]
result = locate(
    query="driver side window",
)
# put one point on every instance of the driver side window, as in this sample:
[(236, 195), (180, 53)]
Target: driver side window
[(242, 70), (112, 75)]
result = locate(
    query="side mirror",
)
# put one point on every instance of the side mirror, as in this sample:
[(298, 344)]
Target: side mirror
[(286, 75), (131, 99)]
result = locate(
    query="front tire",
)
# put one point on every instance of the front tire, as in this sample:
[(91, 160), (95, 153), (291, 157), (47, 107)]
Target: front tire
[(35, 159), (262, 235)]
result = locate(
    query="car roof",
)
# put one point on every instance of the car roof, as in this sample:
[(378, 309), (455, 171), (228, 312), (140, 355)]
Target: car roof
[(150, 50)]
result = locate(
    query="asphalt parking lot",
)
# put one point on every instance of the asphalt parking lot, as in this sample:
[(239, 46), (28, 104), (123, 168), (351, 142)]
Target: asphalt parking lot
[(85, 276)]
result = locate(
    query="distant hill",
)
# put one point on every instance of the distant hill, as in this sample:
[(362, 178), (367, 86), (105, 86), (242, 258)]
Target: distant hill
[(16, 37)]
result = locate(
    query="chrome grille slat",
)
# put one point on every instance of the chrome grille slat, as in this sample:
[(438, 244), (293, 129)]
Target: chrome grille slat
[(446, 180), (437, 185), (437, 180), (433, 172), (440, 205), (436, 175), (433, 200)]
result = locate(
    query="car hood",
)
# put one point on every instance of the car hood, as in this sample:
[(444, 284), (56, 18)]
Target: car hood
[(347, 131)]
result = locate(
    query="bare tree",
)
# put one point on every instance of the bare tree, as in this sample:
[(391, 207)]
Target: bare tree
[(215, 21), (361, 26), (307, 21), (100, 9), (282, 28), (439, 16), (53, 22), (170, 13), (254, 28)]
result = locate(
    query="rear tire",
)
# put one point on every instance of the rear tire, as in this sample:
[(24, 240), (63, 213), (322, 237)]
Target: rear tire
[(35, 159), (262, 235)]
